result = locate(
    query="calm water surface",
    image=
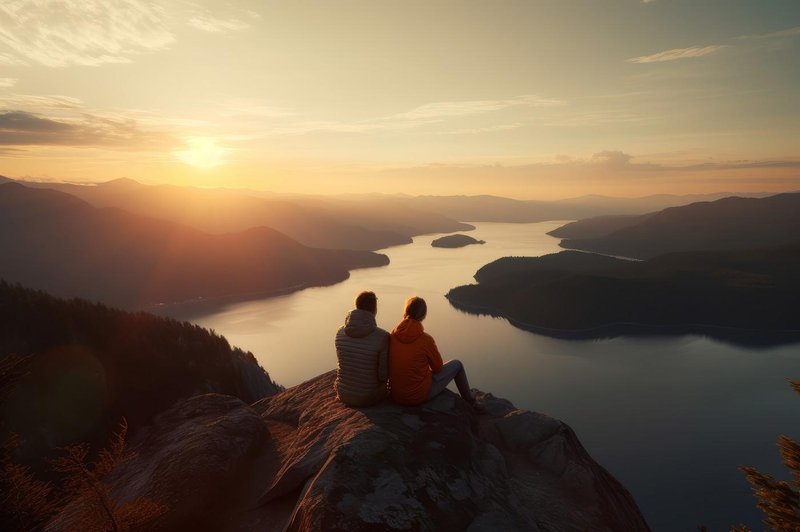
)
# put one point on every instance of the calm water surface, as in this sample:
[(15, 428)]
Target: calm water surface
[(672, 418)]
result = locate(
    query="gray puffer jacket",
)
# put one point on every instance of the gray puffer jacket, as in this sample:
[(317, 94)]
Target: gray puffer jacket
[(362, 349)]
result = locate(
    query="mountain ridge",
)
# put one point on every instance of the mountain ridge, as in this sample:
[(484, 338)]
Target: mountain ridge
[(314, 221), (67, 247), (727, 223)]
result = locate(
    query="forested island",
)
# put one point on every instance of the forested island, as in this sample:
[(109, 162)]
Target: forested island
[(455, 241)]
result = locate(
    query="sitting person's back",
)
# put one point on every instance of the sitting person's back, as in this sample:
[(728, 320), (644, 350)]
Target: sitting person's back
[(362, 350), (414, 358), (416, 371)]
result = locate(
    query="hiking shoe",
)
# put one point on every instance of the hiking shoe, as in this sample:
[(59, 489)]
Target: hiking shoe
[(477, 408)]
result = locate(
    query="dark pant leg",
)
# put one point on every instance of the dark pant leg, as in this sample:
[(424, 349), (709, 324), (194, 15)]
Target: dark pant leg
[(463, 385), (452, 370)]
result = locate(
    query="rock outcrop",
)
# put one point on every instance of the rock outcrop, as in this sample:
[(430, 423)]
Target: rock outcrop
[(300, 460)]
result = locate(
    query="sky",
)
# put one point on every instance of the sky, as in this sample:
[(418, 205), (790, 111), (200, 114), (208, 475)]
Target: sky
[(537, 99)]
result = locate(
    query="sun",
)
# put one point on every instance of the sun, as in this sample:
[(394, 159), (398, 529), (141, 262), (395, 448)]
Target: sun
[(202, 152)]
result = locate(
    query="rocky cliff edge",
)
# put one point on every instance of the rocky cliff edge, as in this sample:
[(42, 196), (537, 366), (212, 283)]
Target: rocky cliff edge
[(300, 460)]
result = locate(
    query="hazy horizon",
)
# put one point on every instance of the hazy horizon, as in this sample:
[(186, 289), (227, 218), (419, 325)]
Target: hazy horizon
[(533, 100), (329, 194)]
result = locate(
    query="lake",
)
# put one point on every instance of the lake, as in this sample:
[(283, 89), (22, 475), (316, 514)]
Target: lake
[(672, 418)]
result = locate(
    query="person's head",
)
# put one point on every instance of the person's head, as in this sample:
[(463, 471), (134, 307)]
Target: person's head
[(367, 301), (416, 308)]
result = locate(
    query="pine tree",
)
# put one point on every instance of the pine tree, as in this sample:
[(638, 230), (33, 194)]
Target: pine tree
[(83, 500), (779, 499), (87, 483)]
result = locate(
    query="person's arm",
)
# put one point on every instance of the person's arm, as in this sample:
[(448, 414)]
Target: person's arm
[(434, 358), (383, 361)]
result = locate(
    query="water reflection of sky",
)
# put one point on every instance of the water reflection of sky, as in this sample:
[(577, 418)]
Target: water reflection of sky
[(672, 418)]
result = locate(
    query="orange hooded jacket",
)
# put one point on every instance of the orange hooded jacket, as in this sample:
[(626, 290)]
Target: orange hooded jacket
[(413, 357)]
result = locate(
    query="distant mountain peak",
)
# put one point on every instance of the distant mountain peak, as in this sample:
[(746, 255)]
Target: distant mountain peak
[(121, 182)]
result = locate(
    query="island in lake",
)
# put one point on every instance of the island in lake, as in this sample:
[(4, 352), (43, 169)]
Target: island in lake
[(455, 241)]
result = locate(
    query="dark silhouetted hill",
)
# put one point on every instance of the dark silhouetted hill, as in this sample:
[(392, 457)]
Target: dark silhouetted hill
[(598, 226), (89, 365), (729, 223), (365, 224), (455, 241), (63, 245), (746, 296)]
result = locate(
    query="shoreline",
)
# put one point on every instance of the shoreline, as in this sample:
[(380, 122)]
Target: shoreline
[(216, 302), (738, 336)]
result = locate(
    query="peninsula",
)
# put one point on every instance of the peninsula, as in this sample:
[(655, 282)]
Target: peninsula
[(744, 296)]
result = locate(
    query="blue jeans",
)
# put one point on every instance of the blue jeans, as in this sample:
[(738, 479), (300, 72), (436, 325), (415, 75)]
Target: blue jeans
[(452, 370)]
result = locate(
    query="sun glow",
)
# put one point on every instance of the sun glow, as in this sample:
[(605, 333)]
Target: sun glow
[(202, 152)]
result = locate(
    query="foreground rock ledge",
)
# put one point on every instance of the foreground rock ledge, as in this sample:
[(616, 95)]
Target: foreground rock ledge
[(300, 460)]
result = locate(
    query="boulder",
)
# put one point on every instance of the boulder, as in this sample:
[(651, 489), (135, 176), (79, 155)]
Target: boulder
[(301, 460)]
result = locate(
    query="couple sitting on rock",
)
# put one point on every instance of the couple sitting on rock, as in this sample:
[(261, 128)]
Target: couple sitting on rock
[(405, 364)]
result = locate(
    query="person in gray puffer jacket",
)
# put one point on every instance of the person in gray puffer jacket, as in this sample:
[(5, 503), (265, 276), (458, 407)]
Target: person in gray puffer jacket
[(363, 351)]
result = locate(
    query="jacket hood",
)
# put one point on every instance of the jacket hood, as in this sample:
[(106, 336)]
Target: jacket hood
[(408, 330), (359, 323)]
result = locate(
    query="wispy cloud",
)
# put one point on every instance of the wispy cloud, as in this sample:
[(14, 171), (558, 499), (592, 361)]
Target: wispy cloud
[(40, 103), (61, 33), (10, 60), (473, 107), (789, 32), (678, 53), (211, 24), (599, 118), (312, 126), (8, 82), (58, 33), (430, 113), (487, 129), (250, 108), (700, 51)]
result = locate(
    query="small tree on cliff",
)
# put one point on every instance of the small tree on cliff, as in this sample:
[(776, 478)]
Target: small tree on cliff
[(87, 483), (778, 499), (84, 496)]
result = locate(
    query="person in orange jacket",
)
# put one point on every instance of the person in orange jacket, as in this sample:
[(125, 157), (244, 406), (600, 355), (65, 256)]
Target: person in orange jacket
[(416, 371)]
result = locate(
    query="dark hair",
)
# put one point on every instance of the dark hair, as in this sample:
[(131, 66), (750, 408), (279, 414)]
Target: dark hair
[(367, 301), (416, 308)]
